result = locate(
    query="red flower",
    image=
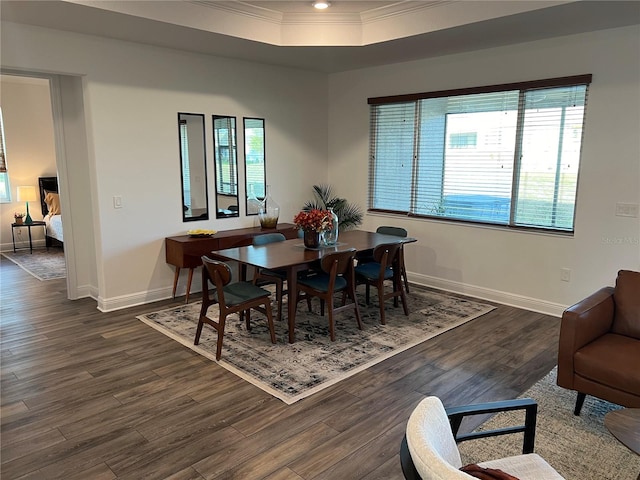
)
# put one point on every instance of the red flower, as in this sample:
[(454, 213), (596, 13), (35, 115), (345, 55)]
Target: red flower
[(313, 220)]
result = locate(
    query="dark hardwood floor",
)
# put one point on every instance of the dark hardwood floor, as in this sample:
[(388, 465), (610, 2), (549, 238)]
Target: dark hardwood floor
[(91, 395)]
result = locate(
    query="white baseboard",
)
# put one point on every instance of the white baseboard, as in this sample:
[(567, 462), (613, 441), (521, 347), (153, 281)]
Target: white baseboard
[(504, 298), (126, 301)]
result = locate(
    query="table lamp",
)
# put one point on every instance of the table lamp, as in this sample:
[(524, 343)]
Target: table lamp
[(27, 194)]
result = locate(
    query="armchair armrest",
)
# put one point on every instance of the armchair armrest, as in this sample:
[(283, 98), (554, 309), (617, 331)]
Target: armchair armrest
[(582, 323), (456, 415)]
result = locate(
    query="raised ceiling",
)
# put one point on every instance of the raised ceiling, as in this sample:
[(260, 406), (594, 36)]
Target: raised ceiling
[(348, 35)]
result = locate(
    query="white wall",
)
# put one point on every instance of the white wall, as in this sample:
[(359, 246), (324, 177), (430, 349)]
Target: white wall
[(132, 94), (28, 127), (513, 267)]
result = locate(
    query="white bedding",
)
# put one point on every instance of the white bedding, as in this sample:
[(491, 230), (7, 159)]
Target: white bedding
[(54, 226)]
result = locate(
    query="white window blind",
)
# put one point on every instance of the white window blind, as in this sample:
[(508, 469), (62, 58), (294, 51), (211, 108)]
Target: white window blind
[(506, 154)]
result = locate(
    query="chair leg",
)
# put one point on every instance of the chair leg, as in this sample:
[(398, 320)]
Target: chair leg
[(579, 402), (381, 301), (247, 318), (332, 325), (198, 331), (220, 328), (351, 293), (279, 295), (272, 329)]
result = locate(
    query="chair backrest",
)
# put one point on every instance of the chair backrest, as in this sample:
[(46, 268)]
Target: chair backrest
[(396, 231), (215, 271), (268, 238), (387, 253), (341, 261), (433, 449)]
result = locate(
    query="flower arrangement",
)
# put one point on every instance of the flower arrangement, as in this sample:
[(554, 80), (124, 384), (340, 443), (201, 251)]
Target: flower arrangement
[(314, 220), (19, 215)]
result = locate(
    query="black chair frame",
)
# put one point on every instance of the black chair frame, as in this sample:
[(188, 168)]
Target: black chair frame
[(457, 414)]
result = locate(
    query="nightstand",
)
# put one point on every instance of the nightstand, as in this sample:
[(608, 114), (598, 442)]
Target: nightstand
[(35, 223)]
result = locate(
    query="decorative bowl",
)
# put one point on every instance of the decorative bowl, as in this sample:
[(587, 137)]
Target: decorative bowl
[(200, 232)]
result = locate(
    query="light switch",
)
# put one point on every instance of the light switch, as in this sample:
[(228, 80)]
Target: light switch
[(117, 201)]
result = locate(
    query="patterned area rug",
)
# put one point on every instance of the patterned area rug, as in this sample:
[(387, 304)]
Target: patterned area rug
[(42, 264), (291, 372), (578, 448)]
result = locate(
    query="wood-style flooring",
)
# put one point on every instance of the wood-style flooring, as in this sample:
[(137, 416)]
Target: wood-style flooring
[(91, 395)]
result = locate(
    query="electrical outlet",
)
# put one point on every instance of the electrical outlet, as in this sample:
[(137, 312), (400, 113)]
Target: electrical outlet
[(565, 274), (627, 210)]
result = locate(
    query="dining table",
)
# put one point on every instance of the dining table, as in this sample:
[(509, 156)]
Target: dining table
[(294, 257)]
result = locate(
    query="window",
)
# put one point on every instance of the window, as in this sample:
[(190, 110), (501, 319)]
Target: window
[(5, 189), (506, 154)]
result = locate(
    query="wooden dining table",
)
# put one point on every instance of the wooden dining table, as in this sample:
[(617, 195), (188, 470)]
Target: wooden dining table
[(294, 257)]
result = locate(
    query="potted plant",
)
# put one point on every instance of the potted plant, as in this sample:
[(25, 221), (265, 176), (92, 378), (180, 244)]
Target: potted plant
[(313, 223), (349, 215), (19, 218)]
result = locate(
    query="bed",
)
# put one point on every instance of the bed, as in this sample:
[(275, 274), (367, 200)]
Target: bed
[(50, 202)]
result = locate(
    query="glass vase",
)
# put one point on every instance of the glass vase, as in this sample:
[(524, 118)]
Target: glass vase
[(330, 237), (253, 204), (269, 211)]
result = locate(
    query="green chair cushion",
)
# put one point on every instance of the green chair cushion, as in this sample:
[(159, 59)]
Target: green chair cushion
[(320, 282), (371, 270), (239, 292)]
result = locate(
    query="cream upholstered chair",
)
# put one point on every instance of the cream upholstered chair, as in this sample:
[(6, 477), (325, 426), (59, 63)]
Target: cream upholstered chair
[(429, 449)]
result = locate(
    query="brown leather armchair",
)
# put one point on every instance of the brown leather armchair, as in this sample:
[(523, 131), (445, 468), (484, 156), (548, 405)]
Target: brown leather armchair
[(599, 350)]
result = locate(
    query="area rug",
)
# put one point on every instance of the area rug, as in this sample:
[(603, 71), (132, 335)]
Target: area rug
[(578, 448), (42, 264), (291, 372)]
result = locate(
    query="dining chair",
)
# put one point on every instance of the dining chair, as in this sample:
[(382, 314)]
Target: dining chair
[(384, 267), (238, 297), (429, 448), (336, 275), (397, 232), (265, 276)]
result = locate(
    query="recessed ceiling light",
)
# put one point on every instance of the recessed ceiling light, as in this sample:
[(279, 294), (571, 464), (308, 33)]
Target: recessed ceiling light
[(320, 4)]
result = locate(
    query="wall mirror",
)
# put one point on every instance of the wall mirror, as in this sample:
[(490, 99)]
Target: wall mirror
[(193, 167), (254, 163), (226, 166)]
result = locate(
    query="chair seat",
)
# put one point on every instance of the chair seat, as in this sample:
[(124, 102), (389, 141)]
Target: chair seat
[(525, 467), (371, 271), (320, 282), (240, 292), (617, 372)]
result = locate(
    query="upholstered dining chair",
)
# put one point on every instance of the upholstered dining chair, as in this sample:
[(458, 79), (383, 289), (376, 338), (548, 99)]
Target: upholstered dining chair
[(429, 448), (384, 267), (265, 276), (336, 276), (398, 232), (238, 297)]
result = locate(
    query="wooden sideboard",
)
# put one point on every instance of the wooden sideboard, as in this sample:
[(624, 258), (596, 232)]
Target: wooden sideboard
[(184, 251)]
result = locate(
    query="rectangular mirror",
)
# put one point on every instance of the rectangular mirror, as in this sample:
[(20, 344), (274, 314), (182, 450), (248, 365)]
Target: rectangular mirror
[(193, 167), (254, 163), (226, 166)]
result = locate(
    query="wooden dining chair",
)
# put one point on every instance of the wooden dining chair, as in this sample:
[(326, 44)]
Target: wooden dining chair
[(238, 297), (384, 267), (397, 232), (336, 275), (265, 276)]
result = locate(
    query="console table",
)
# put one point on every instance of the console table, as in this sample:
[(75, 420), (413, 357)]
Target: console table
[(184, 251)]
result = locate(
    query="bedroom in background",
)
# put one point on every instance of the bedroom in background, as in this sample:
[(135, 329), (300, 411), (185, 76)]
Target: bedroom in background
[(30, 161)]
